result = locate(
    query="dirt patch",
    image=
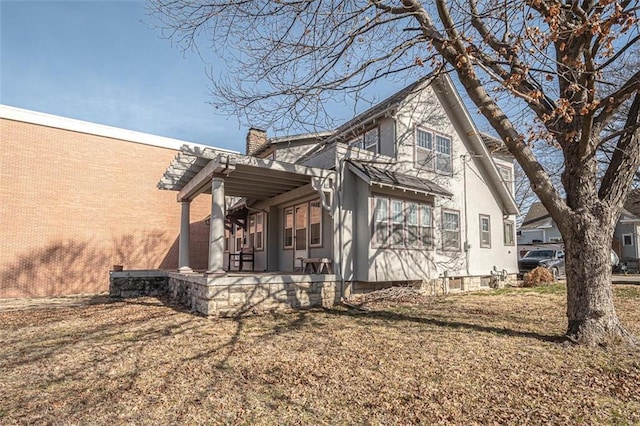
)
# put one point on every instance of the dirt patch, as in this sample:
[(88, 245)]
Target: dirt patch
[(490, 357)]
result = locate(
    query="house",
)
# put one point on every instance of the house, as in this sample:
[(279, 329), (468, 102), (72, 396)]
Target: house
[(79, 198), (537, 227), (407, 191), (625, 236)]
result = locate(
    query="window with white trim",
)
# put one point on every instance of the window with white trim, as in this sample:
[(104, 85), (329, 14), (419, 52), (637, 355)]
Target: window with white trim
[(381, 222), (508, 233), (433, 151), (485, 231), (413, 230), (443, 154), (372, 140), (450, 230), (398, 223), (424, 149), (627, 240), (426, 226)]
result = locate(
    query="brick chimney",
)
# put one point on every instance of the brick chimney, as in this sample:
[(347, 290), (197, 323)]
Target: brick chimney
[(256, 140)]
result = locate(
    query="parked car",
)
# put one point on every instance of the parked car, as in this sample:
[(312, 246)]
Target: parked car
[(549, 258), (553, 259)]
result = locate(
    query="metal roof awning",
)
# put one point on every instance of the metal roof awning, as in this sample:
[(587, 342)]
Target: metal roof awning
[(396, 180), (249, 177)]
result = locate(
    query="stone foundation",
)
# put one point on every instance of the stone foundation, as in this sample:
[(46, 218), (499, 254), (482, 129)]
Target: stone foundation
[(240, 295), (138, 283)]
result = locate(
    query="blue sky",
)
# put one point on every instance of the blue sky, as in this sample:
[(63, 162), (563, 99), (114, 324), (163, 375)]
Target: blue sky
[(100, 61)]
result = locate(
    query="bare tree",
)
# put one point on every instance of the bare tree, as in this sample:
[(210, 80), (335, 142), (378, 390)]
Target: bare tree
[(533, 68)]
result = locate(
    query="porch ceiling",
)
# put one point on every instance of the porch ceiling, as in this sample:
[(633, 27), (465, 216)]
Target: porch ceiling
[(191, 170)]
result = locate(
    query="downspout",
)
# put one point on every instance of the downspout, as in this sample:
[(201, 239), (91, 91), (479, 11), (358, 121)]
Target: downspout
[(467, 247)]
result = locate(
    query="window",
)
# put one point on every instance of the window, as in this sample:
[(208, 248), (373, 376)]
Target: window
[(508, 233), (256, 227), (303, 225), (443, 154), (412, 225), (506, 174), (424, 149), (397, 223), (627, 239), (381, 232), (301, 219), (485, 231), (357, 142), (371, 139), (315, 224), (450, 230), (227, 238), (426, 226), (433, 151), (288, 227)]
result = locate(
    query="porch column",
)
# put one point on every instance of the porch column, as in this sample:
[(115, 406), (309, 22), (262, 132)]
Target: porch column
[(183, 249), (216, 230)]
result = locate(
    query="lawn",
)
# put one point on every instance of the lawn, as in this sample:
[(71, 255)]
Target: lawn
[(489, 357)]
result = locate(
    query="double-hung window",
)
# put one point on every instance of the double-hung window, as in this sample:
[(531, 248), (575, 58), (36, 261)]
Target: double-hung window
[(315, 224), (397, 223), (426, 226), (433, 151), (372, 140), (288, 228), (381, 223), (443, 154), (424, 149), (508, 233), (485, 231), (450, 230), (256, 230), (412, 225)]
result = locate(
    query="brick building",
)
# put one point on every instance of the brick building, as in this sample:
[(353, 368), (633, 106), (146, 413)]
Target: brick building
[(78, 198)]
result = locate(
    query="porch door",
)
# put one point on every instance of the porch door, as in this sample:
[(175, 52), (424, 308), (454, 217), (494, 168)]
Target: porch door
[(301, 235)]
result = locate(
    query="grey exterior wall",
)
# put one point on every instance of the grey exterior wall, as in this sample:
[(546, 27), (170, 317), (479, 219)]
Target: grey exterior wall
[(627, 252)]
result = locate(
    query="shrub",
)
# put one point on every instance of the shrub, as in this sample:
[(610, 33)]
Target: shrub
[(537, 277)]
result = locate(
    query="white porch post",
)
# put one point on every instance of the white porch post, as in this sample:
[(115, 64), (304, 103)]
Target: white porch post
[(183, 249), (216, 230)]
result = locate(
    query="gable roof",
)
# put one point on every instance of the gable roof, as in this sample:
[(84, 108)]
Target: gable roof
[(537, 212)]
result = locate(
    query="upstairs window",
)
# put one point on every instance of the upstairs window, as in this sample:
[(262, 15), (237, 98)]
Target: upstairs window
[(433, 151), (370, 141), (424, 149)]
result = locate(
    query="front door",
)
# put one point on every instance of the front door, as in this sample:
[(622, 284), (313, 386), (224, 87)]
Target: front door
[(301, 235)]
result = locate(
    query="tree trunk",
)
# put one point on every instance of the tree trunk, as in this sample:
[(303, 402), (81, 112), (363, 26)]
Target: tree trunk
[(590, 311)]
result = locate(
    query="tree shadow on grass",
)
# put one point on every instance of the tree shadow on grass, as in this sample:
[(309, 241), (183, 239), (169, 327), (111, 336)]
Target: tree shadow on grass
[(398, 317)]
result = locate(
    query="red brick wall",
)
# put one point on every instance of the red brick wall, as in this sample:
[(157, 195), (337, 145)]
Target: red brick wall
[(72, 205)]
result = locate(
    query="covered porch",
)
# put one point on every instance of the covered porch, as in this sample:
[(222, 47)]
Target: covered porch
[(254, 205)]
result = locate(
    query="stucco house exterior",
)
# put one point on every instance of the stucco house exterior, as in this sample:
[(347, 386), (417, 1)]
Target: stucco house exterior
[(408, 191)]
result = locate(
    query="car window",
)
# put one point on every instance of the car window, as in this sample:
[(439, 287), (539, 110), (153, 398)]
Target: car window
[(540, 254)]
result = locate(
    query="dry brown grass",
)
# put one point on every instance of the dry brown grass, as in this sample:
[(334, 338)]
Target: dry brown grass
[(484, 358)]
